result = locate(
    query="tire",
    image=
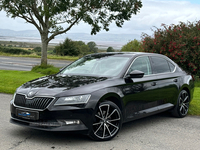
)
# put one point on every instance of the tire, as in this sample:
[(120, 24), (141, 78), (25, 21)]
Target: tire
[(182, 106), (107, 121)]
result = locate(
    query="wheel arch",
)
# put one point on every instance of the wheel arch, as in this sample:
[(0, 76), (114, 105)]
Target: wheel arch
[(187, 84), (115, 98), (186, 88)]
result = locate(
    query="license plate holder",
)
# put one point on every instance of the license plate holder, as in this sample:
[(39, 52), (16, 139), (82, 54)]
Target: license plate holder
[(27, 114)]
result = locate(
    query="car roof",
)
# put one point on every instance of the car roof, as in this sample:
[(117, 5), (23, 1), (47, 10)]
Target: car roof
[(130, 54)]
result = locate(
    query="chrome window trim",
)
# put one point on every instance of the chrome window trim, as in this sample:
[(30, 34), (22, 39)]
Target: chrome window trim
[(33, 98), (153, 74), (167, 62), (174, 67)]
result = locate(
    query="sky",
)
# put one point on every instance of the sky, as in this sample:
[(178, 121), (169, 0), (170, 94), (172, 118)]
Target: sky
[(152, 14)]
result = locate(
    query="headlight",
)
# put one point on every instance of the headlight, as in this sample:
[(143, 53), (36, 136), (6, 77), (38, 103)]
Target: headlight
[(82, 99)]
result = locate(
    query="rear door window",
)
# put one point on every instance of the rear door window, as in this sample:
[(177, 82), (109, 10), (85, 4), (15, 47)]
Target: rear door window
[(160, 65)]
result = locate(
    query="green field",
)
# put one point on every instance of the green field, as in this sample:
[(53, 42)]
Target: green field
[(195, 104), (10, 80)]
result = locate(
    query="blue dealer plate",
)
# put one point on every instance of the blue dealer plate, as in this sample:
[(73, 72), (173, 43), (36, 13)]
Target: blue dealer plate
[(27, 114)]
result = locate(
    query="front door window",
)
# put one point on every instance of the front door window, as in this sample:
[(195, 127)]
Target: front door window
[(141, 64)]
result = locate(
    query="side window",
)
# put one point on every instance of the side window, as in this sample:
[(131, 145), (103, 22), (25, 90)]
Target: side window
[(160, 65), (141, 64), (171, 66)]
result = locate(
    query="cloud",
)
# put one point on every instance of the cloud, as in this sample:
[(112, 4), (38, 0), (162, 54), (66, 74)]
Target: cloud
[(156, 12), (153, 13)]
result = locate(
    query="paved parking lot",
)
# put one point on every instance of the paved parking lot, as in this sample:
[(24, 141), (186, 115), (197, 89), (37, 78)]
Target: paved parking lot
[(158, 132)]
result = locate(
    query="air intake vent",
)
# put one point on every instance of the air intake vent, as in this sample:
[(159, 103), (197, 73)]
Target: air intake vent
[(36, 103)]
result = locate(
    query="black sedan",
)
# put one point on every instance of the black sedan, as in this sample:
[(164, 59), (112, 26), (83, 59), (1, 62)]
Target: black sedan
[(97, 93)]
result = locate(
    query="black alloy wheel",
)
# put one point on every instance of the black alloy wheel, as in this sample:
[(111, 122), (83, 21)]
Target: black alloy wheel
[(182, 106), (107, 122)]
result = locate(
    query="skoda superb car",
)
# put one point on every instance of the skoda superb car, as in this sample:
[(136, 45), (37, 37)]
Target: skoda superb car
[(97, 93)]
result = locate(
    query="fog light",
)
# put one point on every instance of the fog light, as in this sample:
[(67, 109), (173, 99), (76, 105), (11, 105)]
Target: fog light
[(70, 122), (45, 124)]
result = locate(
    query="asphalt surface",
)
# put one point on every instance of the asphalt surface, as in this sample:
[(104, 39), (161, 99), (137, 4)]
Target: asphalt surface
[(158, 132), (26, 64)]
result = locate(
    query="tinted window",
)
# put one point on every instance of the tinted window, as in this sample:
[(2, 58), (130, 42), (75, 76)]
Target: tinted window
[(141, 64), (160, 65), (171, 66)]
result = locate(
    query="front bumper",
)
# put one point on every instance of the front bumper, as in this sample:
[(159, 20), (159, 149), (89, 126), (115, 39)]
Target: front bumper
[(64, 118)]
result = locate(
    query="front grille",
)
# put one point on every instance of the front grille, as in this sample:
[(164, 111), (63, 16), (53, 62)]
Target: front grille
[(36, 103)]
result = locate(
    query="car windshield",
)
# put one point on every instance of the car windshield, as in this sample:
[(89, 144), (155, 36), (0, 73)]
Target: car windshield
[(97, 65)]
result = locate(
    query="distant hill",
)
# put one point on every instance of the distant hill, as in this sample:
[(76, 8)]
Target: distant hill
[(23, 33), (103, 39)]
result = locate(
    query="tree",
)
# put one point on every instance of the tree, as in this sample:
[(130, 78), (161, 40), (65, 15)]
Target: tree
[(92, 47), (132, 46), (37, 49), (54, 17), (110, 49), (67, 48), (82, 47), (72, 48)]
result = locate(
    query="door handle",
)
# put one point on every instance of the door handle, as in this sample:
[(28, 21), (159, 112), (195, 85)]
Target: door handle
[(175, 80), (153, 83)]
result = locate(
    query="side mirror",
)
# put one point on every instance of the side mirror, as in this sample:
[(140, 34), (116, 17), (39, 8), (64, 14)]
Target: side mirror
[(136, 74)]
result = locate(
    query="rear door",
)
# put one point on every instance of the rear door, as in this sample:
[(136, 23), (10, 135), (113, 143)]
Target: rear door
[(167, 79)]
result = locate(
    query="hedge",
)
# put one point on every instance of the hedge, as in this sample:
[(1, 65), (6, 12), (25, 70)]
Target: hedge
[(14, 51), (179, 42)]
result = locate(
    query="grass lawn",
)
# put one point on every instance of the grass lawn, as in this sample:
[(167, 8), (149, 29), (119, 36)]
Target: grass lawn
[(195, 103), (10, 80)]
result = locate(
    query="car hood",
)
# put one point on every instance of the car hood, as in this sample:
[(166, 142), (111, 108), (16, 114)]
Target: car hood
[(55, 84)]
